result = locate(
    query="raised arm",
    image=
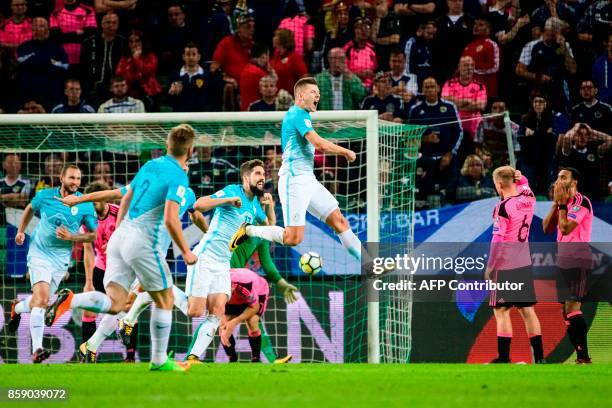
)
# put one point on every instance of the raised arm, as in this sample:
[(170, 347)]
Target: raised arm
[(106, 195), (26, 217), (208, 203)]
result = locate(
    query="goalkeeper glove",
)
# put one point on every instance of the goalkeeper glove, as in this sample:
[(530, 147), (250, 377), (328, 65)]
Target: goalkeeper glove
[(288, 290)]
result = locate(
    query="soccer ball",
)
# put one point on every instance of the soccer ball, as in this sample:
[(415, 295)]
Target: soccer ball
[(311, 263)]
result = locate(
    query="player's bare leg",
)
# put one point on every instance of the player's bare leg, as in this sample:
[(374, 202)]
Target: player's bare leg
[(38, 303), (231, 349), (504, 334), (196, 306), (206, 331), (534, 331), (577, 330)]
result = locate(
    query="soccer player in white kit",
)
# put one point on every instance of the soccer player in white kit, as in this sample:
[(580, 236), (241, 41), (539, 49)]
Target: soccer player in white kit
[(298, 188)]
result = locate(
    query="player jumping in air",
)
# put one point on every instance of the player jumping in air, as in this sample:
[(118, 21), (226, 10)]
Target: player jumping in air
[(247, 304), (510, 260), (208, 284), (135, 249), (298, 188), (50, 250), (572, 215)]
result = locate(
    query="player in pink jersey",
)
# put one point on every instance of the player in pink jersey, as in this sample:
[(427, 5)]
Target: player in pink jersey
[(248, 302), (572, 216), (510, 261)]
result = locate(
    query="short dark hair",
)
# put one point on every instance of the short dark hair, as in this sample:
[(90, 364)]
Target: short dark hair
[(259, 49), (574, 172), (302, 82), (191, 44), (72, 79), (68, 166), (397, 51), (117, 78), (248, 166), (95, 186)]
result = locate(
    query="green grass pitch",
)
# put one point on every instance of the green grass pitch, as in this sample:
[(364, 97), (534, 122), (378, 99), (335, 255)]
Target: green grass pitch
[(318, 385)]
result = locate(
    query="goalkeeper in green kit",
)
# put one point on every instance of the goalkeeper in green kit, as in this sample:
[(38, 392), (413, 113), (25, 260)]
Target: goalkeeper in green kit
[(239, 259)]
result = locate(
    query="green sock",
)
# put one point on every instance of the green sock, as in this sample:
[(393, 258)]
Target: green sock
[(266, 344)]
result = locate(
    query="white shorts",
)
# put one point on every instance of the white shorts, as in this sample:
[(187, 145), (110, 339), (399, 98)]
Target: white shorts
[(128, 257), (41, 270), (207, 277), (302, 193)]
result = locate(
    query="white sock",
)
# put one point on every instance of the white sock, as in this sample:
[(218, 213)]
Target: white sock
[(270, 233), (142, 301), (96, 302), (23, 306), (37, 326), (180, 299), (204, 335), (107, 326), (351, 243), (161, 323)]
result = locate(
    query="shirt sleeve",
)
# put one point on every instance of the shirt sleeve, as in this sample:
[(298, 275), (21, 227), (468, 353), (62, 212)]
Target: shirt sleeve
[(38, 200), (525, 57), (303, 122), (577, 215), (191, 199), (90, 221), (227, 191), (267, 264), (177, 189), (260, 214)]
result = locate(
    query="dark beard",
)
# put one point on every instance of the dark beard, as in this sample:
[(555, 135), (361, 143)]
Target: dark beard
[(256, 191)]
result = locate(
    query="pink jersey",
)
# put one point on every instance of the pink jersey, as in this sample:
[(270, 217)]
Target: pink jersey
[(302, 31), (511, 223), (247, 287), (106, 227), (13, 34), (74, 23), (573, 250), (473, 91)]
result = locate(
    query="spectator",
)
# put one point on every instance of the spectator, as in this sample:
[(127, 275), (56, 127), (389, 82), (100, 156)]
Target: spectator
[(289, 66), (192, 88), (103, 171), (8, 69), (444, 131), (361, 57), (468, 95), (70, 25), (73, 102), (268, 91), (14, 189), (17, 29), (208, 174), (139, 68), (100, 56), (403, 84), (537, 142), (284, 101), (122, 7), (473, 184), (386, 32), (485, 54), (491, 134), (596, 114), (553, 8), (234, 51), (418, 51), (53, 165), (221, 22), (171, 39), (432, 178), (454, 33), (340, 88), (340, 33), (586, 150), (296, 21), (32, 106), (414, 12), (120, 101), (389, 106), (595, 24), (258, 68), (42, 66), (602, 73), (546, 62), (504, 26)]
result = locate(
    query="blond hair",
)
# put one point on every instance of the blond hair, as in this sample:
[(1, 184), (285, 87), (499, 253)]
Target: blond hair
[(504, 174), (180, 139)]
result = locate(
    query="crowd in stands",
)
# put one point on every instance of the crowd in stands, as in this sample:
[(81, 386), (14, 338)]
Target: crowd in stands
[(453, 66)]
